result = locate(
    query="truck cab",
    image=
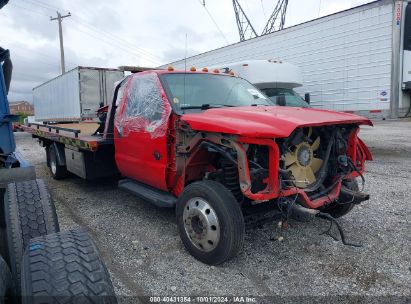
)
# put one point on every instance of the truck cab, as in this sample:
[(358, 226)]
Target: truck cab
[(275, 78)]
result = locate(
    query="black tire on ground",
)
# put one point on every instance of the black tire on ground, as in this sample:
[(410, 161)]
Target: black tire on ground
[(209, 200), (65, 267), (57, 171), (340, 209), (29, 212), (6, 283)]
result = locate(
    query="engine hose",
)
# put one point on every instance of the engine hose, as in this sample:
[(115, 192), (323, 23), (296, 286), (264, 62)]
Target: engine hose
[(326, 190), (328, 217), (359, 173), (219, 150), (323, 170)]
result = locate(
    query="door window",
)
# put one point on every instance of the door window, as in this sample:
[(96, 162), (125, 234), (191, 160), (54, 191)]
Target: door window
[(145, 106)]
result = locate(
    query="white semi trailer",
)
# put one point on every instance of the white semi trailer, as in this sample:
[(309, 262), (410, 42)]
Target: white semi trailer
[(357, 60)]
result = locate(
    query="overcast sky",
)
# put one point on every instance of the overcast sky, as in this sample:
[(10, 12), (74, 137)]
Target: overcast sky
[(106, 33)]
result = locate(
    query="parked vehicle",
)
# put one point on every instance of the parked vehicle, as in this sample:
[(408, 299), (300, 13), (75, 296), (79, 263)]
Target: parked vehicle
[(275, 78), (213, 146), (357, 60), (80, 92)]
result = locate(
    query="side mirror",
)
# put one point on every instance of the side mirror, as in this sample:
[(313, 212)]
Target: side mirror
[(307, 98), (281, 100)]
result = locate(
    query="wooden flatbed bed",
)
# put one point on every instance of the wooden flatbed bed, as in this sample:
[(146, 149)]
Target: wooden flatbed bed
[(80, 135)]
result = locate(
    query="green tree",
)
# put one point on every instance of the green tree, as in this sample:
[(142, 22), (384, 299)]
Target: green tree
[(22, 116)]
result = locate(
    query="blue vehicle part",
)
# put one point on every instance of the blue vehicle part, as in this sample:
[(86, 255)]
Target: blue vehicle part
[(7, 143), (12, 165)]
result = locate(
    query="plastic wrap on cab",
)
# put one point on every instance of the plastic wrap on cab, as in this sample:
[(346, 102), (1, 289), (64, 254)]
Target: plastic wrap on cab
[(146, 108)]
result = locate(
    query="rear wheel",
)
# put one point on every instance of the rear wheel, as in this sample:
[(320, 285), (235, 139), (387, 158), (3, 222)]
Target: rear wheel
[(65, 267), (339, 209), (210, 222), (29, 212), (57, 171)]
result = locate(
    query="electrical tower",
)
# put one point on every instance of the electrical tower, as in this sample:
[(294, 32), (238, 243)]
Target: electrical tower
[(274, 23), (244, 25)]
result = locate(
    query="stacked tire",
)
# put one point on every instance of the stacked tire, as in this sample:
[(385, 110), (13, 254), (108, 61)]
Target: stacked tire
[(42, 264)]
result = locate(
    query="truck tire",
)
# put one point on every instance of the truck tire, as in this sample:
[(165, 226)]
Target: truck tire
[(29, 212), (65, 267), (6, 283), (57, 171), (337, 210), (210, 222)]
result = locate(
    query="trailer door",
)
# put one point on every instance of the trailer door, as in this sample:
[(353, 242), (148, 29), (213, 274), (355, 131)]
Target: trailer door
[(140, 131)]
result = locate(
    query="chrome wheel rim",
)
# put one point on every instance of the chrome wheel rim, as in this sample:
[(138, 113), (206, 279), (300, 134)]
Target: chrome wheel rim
[(201, 224)]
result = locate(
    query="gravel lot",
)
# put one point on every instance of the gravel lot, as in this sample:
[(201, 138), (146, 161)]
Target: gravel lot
[(142, 249)]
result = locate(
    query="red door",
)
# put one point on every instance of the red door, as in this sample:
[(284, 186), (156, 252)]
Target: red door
[(140, 133)]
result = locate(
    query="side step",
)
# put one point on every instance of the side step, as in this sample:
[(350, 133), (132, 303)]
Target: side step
[(148, 193)]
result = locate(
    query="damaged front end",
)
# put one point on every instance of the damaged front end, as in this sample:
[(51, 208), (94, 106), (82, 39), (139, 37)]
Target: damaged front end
[(310, 173)]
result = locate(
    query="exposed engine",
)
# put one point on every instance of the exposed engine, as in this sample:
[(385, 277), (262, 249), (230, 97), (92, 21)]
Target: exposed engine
[(316, 158), (313, 158)]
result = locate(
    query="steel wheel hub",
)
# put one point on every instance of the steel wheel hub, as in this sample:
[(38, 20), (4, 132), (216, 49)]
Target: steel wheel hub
[(201, 224)]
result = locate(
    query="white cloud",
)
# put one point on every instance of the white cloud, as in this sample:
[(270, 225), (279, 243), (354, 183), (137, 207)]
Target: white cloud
[(114, 33)]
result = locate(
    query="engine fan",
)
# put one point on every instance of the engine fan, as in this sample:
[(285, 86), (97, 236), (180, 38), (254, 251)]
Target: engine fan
[(302, 163)]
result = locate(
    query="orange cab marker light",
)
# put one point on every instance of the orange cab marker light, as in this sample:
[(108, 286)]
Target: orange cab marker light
[(170, 68), (193, 69), (205, 70), (217, 71)]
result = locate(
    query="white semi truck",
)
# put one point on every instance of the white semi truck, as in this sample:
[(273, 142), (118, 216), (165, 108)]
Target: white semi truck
[(277, 79), (357, 60)]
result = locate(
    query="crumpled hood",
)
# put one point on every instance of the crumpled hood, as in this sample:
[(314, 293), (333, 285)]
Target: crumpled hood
[(266, 121)]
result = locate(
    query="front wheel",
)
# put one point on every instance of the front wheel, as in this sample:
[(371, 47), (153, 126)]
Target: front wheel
[(210, 222)]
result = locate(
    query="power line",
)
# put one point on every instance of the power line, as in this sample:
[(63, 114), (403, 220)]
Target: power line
[(109, 43), (215, 22), (262, 6), (120, 40), (126, 43), (28, 10)]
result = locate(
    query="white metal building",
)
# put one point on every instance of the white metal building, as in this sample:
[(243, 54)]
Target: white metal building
[(351, 61)]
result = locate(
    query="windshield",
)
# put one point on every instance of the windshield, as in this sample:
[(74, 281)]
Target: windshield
[(202, 91), (292, 99)]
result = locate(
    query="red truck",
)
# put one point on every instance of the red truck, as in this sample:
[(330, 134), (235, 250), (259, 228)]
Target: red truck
[(219, 151)]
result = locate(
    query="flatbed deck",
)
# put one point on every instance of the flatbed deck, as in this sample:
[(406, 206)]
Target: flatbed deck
[(80, 135)]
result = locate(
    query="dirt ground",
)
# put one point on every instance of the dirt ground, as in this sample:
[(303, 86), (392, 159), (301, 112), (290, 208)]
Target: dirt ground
[(144, 254)]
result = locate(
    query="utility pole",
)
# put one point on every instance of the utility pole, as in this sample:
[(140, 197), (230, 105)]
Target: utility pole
[(60, 18)]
